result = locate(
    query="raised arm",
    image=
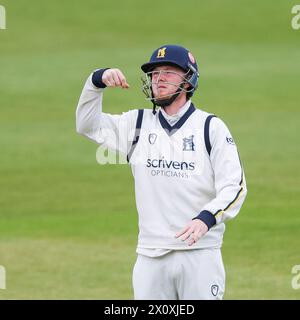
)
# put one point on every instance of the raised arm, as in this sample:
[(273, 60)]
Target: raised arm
[(113, 131)]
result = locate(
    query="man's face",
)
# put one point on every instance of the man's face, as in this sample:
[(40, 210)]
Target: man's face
[(166, 80)]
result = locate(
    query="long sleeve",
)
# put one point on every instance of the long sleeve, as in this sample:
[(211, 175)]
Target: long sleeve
[(112, 131), (230, 184)]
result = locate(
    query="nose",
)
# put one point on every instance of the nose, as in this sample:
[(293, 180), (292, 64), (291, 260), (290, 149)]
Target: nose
[(163, 76)]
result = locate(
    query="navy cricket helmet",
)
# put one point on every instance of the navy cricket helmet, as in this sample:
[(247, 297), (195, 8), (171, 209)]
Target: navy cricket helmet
[(176, 56)]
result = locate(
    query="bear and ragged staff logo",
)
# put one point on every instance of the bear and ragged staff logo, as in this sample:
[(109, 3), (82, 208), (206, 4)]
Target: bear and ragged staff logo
[(188, 144), (161, 52)]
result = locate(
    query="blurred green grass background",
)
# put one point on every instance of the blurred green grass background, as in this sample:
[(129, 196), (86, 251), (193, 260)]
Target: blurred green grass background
[(68, 226)]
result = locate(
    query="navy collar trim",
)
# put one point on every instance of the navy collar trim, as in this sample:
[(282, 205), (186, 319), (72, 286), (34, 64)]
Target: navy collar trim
[(172, 129)]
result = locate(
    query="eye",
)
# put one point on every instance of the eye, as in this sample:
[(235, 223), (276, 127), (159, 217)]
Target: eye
[(170, 73)]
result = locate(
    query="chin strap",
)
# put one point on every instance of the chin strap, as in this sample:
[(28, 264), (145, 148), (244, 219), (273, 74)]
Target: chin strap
[(154, 107), (166, 102)]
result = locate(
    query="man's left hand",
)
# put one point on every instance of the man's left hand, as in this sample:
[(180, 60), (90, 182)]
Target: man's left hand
[(193, 231)]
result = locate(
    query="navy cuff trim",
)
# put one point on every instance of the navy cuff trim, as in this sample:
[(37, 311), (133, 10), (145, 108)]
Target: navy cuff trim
[(97, 78), (207, 217)]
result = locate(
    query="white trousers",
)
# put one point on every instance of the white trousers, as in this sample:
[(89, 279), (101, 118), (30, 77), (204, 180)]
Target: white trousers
[(180, 275)]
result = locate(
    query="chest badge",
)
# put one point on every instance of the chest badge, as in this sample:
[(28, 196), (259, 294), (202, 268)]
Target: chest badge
[(188, 144), (152, 138)]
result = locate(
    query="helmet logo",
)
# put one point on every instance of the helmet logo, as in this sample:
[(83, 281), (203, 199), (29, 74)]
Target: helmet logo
[(161, 52), (192, 59)]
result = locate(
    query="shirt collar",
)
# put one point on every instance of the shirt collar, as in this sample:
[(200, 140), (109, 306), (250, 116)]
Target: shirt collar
[(172, 119), (171, 129)]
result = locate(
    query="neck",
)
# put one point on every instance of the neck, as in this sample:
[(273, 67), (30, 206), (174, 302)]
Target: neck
[(174, 107)]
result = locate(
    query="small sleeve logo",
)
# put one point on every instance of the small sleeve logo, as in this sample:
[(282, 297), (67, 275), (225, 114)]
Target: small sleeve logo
[(230, 140)]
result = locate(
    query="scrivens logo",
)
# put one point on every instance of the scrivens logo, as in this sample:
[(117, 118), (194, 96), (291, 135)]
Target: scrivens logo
[(165, 164)]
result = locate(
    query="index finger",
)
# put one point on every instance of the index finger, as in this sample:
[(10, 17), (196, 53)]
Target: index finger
[(122, 78), (181, 232)]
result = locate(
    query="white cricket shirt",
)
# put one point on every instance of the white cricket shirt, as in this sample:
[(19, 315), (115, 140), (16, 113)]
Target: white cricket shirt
[(180, 170)]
